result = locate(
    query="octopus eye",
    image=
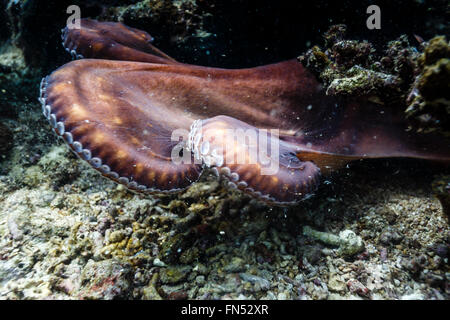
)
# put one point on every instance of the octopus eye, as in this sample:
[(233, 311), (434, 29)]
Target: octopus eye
[(180, 153)]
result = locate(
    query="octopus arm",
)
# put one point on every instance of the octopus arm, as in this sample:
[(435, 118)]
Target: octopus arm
[(110, 121), (112, 40), (253, 160)]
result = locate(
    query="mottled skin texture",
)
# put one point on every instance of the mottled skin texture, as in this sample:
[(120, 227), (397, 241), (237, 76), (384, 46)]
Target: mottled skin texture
[(124, 113)]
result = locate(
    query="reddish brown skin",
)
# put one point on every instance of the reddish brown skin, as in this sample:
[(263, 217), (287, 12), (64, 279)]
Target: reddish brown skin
[(134, 96)]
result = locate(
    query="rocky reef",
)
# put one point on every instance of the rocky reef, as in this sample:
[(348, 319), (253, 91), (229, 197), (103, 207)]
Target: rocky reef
[(429, 99), (415, 80)]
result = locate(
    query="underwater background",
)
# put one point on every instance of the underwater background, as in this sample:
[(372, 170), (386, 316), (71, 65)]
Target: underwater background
[(376, 229)]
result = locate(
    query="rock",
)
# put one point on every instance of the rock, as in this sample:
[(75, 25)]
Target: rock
[(391, 236), (14, 230), (336, 284), (262, 283), (107, 279), (116, 236), (174, 274), (441, 250), (150, 292), (158, 263), (177, 295), (312, 254), (200, 269), (349, 243), (354, 286), (236, 265), (413, 296), (324, 237), (429, 97), (200, 280), (189, 255), (198, 190)]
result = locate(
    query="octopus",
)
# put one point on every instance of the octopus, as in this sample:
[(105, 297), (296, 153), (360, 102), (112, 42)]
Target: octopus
[(154, 124)]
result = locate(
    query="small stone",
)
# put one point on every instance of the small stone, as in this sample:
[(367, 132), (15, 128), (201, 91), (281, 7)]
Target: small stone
[(200, 280), (116, 236), (441, 250), (14, 229), (350, 243), (336, 284), (177, 295), (391, 236), (6, 139), (200, 269), (158, 263), (354, 286), (107, 279), (150, 292), (413, 296), (312, 254), (236, 265), (282, 296), (264, 284)]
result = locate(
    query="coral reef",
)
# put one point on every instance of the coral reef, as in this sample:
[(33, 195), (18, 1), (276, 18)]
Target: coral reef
[(401, 77), (429, 99), (352, 68)]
